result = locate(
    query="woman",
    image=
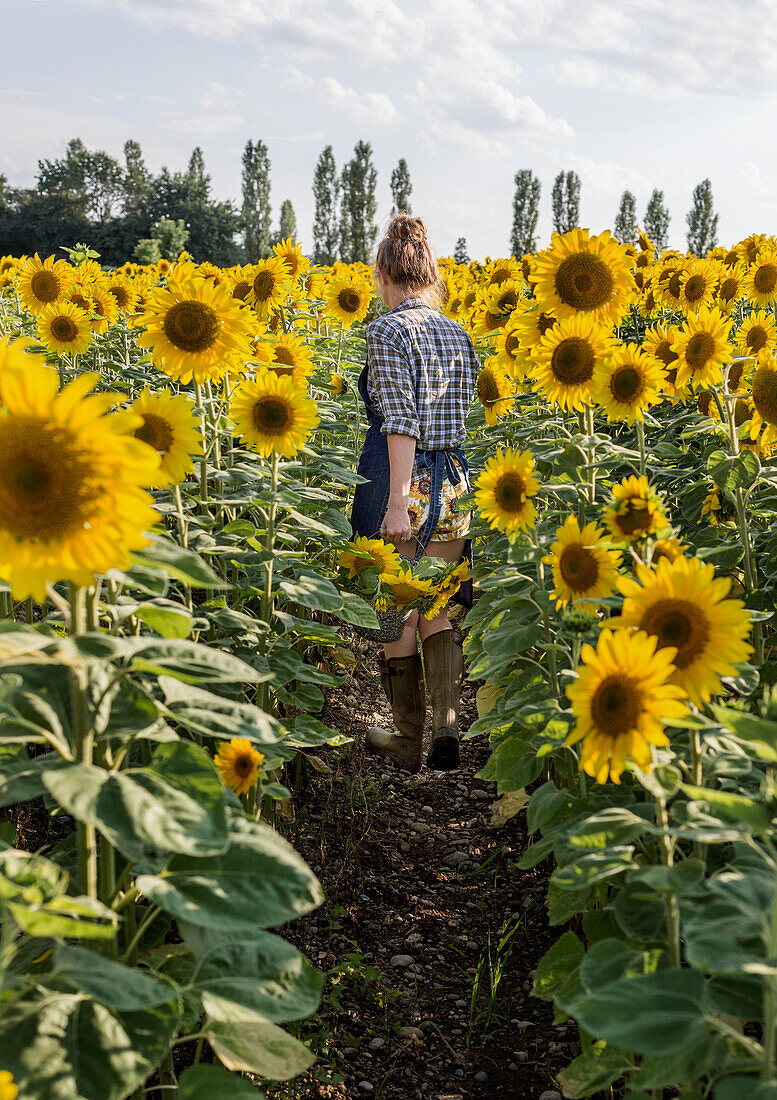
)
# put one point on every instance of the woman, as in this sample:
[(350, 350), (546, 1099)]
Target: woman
[(417, 387)]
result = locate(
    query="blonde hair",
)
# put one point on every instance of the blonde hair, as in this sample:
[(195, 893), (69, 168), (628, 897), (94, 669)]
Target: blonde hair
[(406, 257)]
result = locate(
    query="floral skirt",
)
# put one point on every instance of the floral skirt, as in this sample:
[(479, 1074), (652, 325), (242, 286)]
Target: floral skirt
[(453, 523)]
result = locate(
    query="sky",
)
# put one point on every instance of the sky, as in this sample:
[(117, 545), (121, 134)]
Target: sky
[(636, 94)]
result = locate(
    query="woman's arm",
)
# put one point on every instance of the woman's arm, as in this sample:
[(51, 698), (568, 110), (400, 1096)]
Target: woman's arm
[(396, 523)]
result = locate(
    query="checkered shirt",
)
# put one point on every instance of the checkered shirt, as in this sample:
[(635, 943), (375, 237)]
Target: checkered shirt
[(421, 374)]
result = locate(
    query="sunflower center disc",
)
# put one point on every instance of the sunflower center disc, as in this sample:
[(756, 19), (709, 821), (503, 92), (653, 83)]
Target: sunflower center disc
[(82, 302), (765, 278), (742, 412), (664, 353), (728, 289), (284, 355), (757, 338), (579, 568), (155, 431), (512, 344), (765, 394), (243, 765), (271, 415), (45, 286), (695, 287), (64, 329), (735, 372), (192, 326), (634, 517), (583, 281), (626, 383), (488, 387), (681, 624), (241, 289), (508, 302), (263, 285), (545, 321), (616, 705), (47, 487), (700, 348), (510, 492), (121, 296), (348, 300), (572, 361)]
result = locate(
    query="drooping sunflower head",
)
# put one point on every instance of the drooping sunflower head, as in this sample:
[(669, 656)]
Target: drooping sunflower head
[(104, 309), (42, 282), (272, 414), (363, 553), (170, 427), (670, 549), (505, 490), (347, 298), (627, 382), (620, 701), (239, 764), (63, 327), (566, 357), (338, 384), (635, 512), (495, 390), (584, 274), (684, 607), (584, 567)]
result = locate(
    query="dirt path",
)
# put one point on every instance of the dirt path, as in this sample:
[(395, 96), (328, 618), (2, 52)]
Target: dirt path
[(430, 933)]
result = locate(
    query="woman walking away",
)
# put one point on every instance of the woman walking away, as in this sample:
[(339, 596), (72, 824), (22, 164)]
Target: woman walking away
[(417, 387)]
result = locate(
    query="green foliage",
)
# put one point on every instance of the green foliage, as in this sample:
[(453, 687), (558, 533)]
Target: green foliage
[(526, 212)]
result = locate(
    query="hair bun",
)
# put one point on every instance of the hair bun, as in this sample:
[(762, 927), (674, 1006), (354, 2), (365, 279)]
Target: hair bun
[(403, 227)]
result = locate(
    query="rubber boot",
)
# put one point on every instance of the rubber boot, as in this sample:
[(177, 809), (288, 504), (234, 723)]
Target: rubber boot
[(444, 666), (403, 682)]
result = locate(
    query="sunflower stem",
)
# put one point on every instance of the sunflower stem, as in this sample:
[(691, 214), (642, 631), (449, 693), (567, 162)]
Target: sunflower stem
[(589, 422), (770, 1004), (77, 610), (640, 428), (204, 460), (670, 902), (83, 736), (269, 547)]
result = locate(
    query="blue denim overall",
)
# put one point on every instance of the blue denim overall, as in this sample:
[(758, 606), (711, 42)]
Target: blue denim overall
[(371, 497)]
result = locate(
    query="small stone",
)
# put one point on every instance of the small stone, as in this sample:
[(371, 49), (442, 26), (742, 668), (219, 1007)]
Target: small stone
[(458, 1072), (366, 1086), (410, 1033), (455, 858), (427, 809), (481, 1077), (348, 1052), (512, 1067), (551, 1094), (478, 793), (522, 1055), (377, 1043), (402, 960)]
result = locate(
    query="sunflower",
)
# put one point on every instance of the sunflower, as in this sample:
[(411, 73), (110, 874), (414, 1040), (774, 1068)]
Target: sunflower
[(43, 282), (104, 308), (756, 333), (291, 357), (530, 325), (505, 489), (670, 549), (683, 605), (648, 303), (21, 353), (764, 397), (749, 249), (669, 282), (584, 274), (702, 349), (565, 360), (71, 497), (495, 390), (238, 764), (658, 344), (627, 383), (63, 327), (760, 279), (620, 700), (270, 285), (8, 1090), (497, 305), (407, 589), (124, 291), (502, 271), (363, 552), (195, 331), (272, 414), (711, 506), (347, 299), (729, 289), (584, 568), (291, 254), (240, 282), (447, 587), (508, 350), (697, 284), (170, 427), (635, 512)]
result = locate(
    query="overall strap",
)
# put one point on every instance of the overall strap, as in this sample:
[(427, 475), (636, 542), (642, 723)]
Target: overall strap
[(440, 465)]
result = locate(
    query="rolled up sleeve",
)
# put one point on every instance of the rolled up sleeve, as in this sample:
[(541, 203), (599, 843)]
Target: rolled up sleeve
[(394, 387)]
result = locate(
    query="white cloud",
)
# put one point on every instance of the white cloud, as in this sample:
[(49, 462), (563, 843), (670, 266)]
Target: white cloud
[(299, 139), (374, 107), (753, 177), (217, 97), (207, 124)]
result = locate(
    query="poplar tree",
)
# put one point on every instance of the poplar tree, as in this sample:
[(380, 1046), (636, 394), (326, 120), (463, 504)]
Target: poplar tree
[(656, 222), (255, 213), (288, 222), (358, 231), (526, 211), (565, 201), (625, 227), (326, 197), (460, 253), (702, 220), (197, 179), (137, 179), (401, 188)]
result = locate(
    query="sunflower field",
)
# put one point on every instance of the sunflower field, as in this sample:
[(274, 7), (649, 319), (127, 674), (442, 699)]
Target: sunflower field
[(178, 446)]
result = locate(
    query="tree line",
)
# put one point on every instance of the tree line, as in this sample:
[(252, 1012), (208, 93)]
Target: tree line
[(701, 219), (126, 211)]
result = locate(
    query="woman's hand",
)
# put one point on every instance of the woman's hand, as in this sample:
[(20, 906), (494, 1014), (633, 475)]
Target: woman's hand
[(396, 522)]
